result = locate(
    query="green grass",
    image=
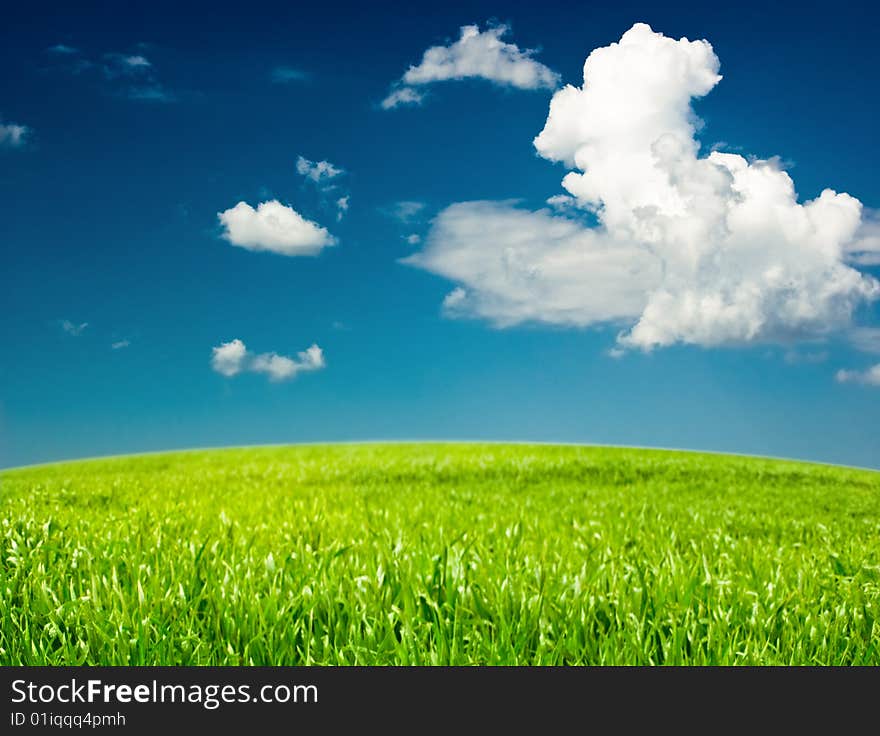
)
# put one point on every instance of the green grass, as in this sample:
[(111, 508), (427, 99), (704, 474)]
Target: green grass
[(439, 554)]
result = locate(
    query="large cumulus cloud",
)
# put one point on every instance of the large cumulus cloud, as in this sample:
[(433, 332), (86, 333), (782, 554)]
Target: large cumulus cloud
[(706, 250)]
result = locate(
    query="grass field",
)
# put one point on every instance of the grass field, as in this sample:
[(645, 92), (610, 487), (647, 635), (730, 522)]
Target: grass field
[(439, 554)]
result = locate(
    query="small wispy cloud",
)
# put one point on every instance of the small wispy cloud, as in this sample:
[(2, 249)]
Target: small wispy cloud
[(232, 358), (865, 339), (120, 344), (454, 300), (402, 96), (864, 250), (63, 49), (407, 212), (71, 328), (70, 59), (137, 76), (317, 171), (129, 75), (562, 202), (475, 55), (868, 377), (325, 176), (404, 211), (136, 61), (122, 65), (797, 357), (154, 93), (286, 75), (13, 135)]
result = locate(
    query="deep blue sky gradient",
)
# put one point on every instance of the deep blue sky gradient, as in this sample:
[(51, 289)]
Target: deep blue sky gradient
[(109, 217)]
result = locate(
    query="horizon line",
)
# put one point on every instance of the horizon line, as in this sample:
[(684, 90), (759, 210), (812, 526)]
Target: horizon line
[(540, 443)]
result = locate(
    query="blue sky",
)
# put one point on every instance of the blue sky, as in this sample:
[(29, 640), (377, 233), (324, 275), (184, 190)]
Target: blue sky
[(127, 132)]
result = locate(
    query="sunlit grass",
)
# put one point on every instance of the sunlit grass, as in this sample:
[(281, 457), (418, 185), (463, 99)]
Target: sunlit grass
[(439, 554)]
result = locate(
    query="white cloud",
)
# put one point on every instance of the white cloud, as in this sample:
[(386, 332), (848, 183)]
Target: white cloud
[(136, 61), (864, 249), (869, 377), (561, 202), (402, 96), (281, 368), (228, 358), (712, 250), (413, 238), (231, 358), (277, 367), (72, 328), (476, 54), (273, 227), (323, 175), (120, 344), (482, 54), (62, 48), (405, 211), (317, 171), (12, 135), (519, 266), (455, 299), (118, 65), (866, 339)]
